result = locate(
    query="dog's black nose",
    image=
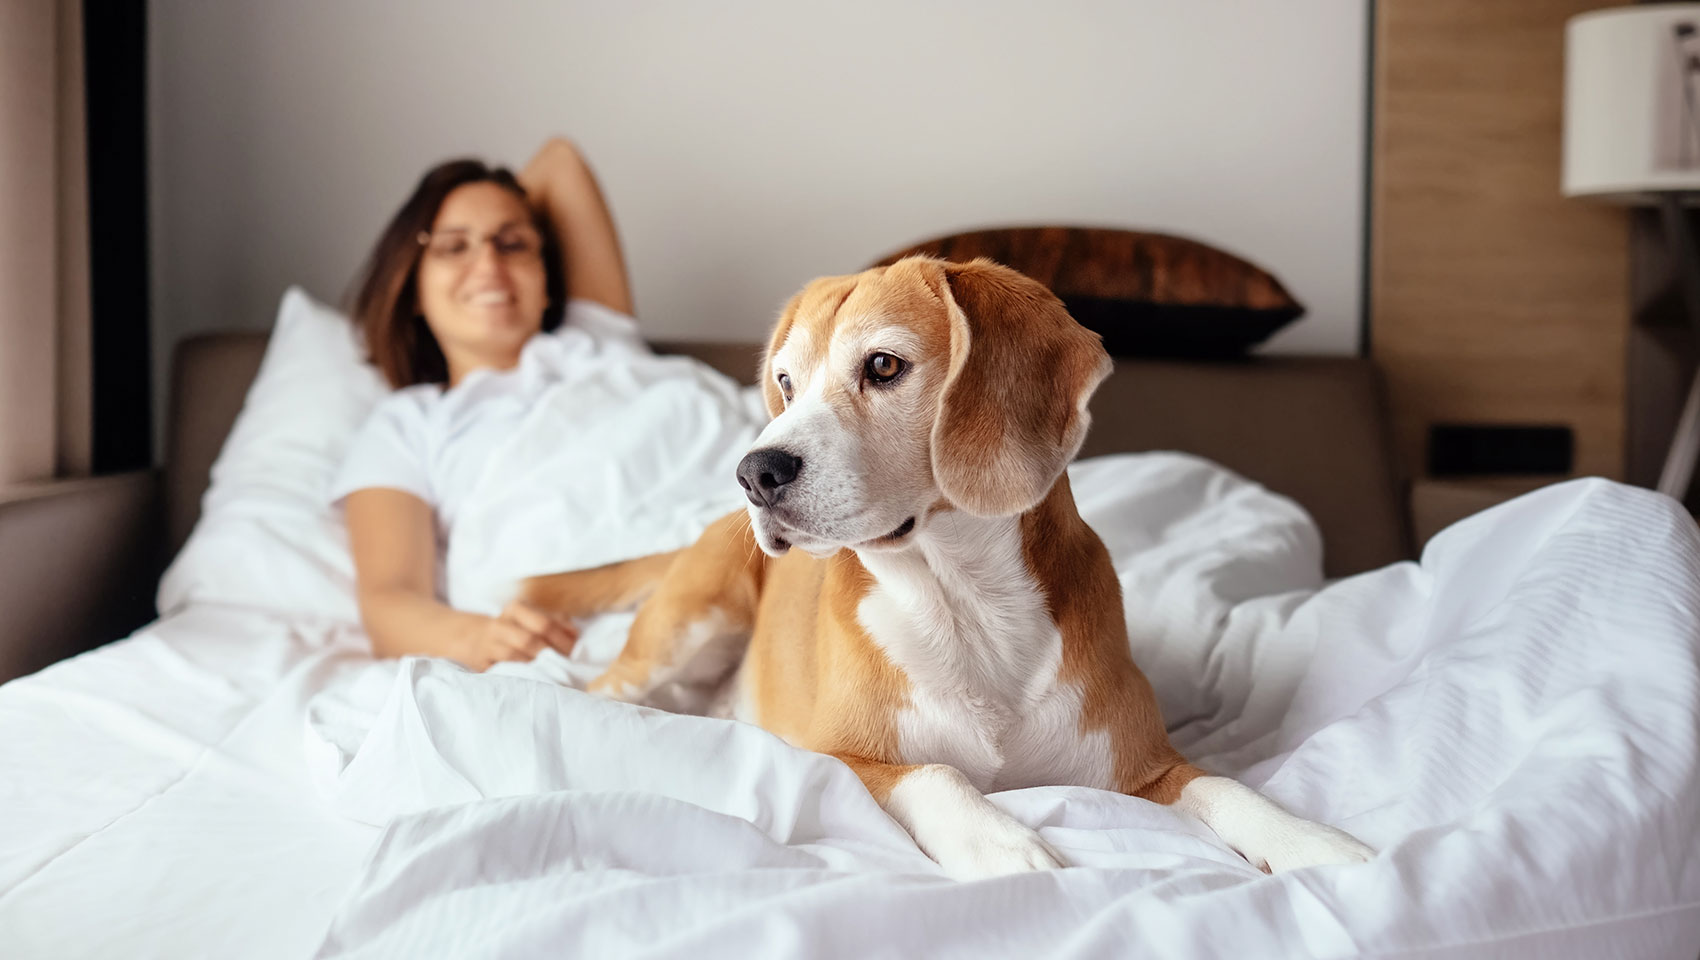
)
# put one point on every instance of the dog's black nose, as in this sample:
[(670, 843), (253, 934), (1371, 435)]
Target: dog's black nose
[(763, 472)]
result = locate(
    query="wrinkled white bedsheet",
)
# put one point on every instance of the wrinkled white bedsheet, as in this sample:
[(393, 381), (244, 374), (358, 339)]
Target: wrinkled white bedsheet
[(154, 799), (1513, 722)]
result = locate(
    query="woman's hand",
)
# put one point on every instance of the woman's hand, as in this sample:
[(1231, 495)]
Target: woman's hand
[(519, 633), (558, 155)]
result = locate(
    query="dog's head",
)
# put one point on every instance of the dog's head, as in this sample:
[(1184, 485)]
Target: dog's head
[(905, 389)]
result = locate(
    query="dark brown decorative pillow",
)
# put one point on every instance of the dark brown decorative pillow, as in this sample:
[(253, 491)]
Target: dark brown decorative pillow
[(1146, 294)]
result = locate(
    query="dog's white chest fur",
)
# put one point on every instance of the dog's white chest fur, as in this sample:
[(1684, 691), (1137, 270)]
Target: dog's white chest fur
[(960, 614)]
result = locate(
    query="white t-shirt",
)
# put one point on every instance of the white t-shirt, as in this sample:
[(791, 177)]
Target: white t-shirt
[(435, 443)]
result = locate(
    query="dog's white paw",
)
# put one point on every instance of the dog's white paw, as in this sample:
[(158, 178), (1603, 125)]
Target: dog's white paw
[(994, 850), (966, 834), (1270, 838), (1304, 843)]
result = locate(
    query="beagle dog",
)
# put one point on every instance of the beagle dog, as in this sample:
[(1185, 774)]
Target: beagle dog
[(911, 588)]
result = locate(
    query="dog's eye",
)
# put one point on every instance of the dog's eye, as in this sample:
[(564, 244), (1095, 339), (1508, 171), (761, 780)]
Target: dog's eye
[(785, 387), (882, 367)]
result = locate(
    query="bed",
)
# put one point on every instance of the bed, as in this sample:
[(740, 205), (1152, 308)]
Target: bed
[(1513, 720)]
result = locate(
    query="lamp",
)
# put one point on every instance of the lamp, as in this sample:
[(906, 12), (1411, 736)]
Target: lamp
[(1632, 136)]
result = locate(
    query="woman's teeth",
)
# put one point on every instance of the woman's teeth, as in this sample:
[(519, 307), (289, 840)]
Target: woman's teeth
[(491, 298)]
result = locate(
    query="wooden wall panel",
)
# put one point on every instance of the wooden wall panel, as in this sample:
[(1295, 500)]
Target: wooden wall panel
[(1493, 299), (28, 277)]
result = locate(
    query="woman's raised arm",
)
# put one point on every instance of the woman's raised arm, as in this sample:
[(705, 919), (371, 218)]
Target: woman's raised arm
[(559, 181)]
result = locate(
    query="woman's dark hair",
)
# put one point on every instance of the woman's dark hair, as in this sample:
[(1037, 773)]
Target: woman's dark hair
[(385, 303)]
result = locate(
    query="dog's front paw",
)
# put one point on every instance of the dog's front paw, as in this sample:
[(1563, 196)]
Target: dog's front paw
[(994, 848), (1305, 843), (966, 834), (1270, 838)]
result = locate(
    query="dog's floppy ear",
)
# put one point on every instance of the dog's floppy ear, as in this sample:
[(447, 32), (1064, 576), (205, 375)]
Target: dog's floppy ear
[(770, 389), (1013, 411)]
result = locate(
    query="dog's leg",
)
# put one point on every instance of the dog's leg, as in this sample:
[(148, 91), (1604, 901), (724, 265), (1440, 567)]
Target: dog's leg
[(952, 822), (1269, 837), (1259, 829), (585, 593), (691, 641), (691, 630)]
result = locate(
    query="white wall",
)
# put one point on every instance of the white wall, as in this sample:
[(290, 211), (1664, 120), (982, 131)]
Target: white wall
[(749, 145)]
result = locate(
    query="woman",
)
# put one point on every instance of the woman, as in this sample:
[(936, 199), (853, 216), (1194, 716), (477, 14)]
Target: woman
[(475, 264)]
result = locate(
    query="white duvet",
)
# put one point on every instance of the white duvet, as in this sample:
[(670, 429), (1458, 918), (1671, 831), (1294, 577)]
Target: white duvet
[(1512, 723)]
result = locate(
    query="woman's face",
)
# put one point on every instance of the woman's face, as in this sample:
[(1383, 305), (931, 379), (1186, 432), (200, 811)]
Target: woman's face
[(482, 286)]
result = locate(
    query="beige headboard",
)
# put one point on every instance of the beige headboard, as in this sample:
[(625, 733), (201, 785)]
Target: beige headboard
[(1312, 428)]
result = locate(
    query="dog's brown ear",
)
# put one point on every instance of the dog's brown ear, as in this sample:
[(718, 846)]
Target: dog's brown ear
[(1013, 411), (770, 389)]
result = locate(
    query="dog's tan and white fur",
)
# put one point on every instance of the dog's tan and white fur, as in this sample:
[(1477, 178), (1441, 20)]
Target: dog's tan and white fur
[(946, 625)]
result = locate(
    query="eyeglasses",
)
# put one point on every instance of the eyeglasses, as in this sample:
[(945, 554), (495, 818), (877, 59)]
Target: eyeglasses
[(458, 247)]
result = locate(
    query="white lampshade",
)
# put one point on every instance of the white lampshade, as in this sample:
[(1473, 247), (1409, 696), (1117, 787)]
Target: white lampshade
[(1632, 102)]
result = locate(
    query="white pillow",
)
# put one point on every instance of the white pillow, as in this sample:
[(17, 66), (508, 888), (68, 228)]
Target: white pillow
[(267, 536)]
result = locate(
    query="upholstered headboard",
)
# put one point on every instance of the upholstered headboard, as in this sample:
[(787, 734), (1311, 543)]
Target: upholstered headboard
[(1311, 428)]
